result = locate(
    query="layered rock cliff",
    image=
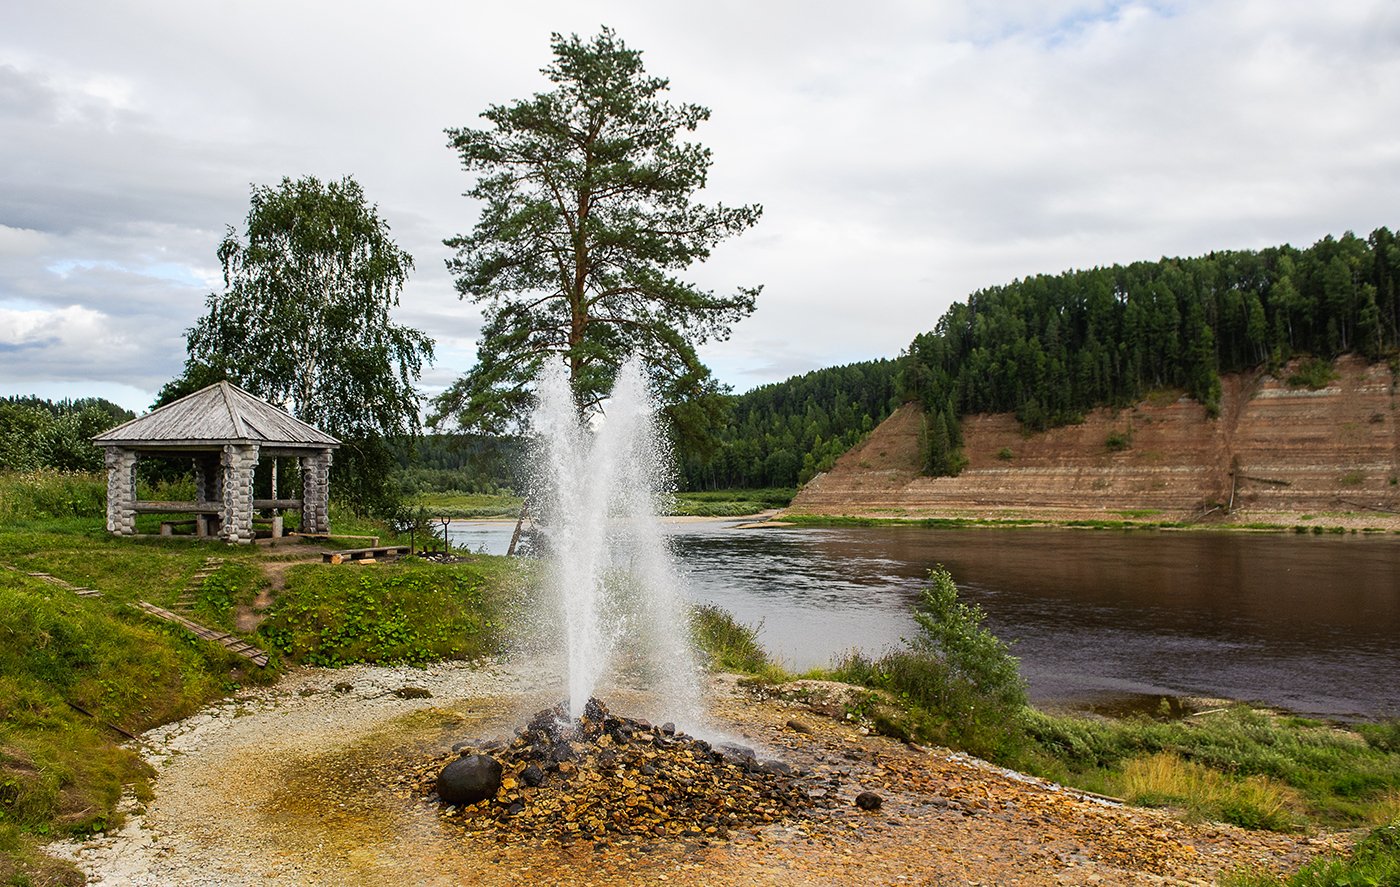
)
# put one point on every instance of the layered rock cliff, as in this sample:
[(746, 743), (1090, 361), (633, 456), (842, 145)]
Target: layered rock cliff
[(1274, 453)]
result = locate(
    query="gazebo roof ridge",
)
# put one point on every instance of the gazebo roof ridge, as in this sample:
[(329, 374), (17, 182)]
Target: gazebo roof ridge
[(218, 413)]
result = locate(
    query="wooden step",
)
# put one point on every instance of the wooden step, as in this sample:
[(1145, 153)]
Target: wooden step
[(232, 643)]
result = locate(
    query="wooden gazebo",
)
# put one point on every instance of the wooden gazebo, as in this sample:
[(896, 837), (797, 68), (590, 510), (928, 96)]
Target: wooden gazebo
[(225, 430)]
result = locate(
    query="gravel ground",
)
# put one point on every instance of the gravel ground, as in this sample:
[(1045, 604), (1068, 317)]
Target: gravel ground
[(302, 783)]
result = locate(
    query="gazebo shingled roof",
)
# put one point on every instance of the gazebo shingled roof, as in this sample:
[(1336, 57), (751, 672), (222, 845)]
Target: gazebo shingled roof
[(221, 413), (225, 429)]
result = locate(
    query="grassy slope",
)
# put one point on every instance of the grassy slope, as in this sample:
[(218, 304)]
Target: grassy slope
[(62, 771)]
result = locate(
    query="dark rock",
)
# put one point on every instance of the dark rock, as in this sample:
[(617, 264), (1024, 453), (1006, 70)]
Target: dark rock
[(868, 801), (469, 779), (798, 726), (647, 770), (413, 693), (561, 753), (594, 709), (734, 750), (779, 767), (344, 687), (668, 728), (532, 775)]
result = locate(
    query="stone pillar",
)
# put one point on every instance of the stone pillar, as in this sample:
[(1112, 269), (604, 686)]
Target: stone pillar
[(208, 479), (315, 492), (121, 491), (236, 520)]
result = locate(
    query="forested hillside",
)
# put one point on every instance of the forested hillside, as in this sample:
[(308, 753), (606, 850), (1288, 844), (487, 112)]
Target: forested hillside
[(781, 434), (1051, 347)]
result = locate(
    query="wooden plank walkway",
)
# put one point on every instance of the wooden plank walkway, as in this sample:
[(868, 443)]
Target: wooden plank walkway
[(234, 644), (190, 596), (79, 590)]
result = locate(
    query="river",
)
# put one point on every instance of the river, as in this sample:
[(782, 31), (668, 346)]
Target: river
[(1104, 620)]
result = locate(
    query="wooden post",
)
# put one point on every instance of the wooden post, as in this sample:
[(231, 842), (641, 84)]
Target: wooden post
[(515, 537)]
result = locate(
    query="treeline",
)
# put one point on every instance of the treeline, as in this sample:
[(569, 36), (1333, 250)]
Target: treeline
[(780, 435), (36, 433), (1049, 348), (462, 463)]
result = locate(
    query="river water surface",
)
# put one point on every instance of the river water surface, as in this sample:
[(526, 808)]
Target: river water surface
[(1099, 619)]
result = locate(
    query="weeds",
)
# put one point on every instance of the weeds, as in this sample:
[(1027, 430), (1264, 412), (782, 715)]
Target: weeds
[(727, 643)]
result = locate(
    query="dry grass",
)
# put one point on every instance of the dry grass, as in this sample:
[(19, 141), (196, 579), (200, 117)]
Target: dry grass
[(1166, 780)]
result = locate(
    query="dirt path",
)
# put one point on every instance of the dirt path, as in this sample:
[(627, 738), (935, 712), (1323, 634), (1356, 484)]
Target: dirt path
[(303, 783)]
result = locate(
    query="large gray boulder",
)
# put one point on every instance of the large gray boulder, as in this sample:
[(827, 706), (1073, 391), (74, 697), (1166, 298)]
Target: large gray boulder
[(469, 779)]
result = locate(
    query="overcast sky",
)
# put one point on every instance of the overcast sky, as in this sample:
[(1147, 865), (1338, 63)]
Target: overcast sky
[(905, 154)]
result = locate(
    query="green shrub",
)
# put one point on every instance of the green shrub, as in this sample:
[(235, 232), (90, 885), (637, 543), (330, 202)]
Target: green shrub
[(1313, 373), (1117, 441), (961, 682)]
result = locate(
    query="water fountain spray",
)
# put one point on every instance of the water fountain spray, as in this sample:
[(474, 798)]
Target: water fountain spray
[(599, 487)]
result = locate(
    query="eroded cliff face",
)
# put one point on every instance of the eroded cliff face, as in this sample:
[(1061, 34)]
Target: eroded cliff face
[(1274, 454)]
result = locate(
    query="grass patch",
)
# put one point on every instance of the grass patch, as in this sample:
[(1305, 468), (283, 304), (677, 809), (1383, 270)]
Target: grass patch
[(40, 495), (728, 644), (1166, 780), (731, 503), (63, 770), (1339, 777), (465, 506), (410, 612)]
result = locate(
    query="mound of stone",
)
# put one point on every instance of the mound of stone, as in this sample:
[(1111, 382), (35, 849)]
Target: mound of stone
[(604, 777)]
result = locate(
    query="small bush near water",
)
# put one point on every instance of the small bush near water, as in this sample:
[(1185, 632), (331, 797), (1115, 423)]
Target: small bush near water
[(958, 680), (727, 643)]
